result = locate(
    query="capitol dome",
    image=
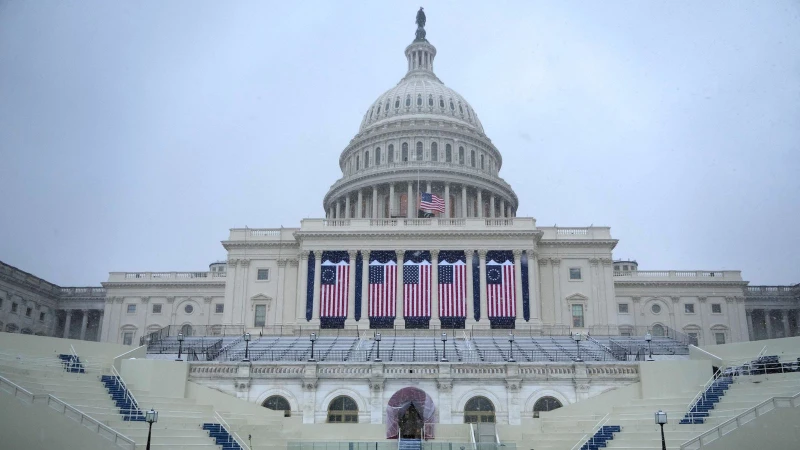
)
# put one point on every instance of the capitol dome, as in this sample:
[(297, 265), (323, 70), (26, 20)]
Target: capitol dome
[(420, 137)]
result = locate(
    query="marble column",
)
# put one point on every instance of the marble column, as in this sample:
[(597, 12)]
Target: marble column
[(447, 200), (502, 208), (365, 286), (470, 308), (429, 187), (484, 309), (768, 320), (399, 296), (347, 207), (375, 214), (317, 273), (518, 284), (302, 277), (409, 201), (392, 210), (351, 286), (338, 209), (555, 263), (85, 322), (785, 317), (100, 319), (479, 212), (434, 287), (360, 205), (491, 206), (533, 284), (67, 323), (464, 201), (751, 336)]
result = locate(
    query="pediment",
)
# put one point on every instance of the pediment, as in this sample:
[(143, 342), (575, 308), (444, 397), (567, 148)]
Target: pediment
[(261, 297), (577, 297)]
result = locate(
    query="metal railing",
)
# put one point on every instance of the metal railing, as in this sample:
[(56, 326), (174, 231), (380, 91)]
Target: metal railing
[(594, 431), (119, 381), (702, 395), (743, 418), (230, 431), (67, 410)]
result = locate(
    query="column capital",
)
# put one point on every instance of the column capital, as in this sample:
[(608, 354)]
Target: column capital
[(400, 254), (606, 261), (543, 261), (636, 299), (469, 253), (675, 298), (730, 299), (244, 262), (317, 254), (702, 298), (294, 262), (232, 262), (85, 312), (594, 261), (145, 299), (555, 261), (434, 255), (207, 299), (352, 254), (282, 262), (365, 255), (482, 253), (517, 254), (171, 299)]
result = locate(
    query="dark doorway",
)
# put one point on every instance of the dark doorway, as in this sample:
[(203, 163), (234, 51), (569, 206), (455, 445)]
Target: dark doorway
[(411, 424)]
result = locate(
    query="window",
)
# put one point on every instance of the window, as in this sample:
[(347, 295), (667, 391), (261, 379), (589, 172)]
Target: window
[(397, 102), (188, 309), (379, 110), (716, 308), (390, 156), (378, 156), (434, 151), (186, 330), (430, 100), (366, 159), (448, 153), (358, 162), (622, 308), (41, 316), (14, 307), (461, 155), (28, 311), (693, 335), (575, 273), (262, 274), (656, 308), (688, 308), (127, 338), (720, 338), (577, 316), (419, 151), (156, 308), (625, 268), (545, 404), (452, 106), (405, 152), (261, 316), (419, 100), (343, 409), (278, 403), (482, 166), (658, 330), (479, 410), (616, 268), (472, 158), (441, 102), (408, 100), (131, 308), (219, 308)]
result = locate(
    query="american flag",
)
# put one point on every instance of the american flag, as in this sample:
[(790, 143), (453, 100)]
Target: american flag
[(452, 289), (334, 289), (431, 202), (500, 289), (382, 289), (417, 289)]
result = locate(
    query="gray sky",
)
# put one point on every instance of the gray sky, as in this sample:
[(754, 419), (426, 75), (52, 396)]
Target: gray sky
[(133, 135)]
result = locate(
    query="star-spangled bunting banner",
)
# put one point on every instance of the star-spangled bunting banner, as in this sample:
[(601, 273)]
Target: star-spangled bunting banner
[(452, 289), (334, 288), (500, 289)]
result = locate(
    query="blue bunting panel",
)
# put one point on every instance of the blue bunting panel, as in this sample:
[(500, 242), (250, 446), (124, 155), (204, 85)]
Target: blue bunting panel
[(476, 286), (359, 280), (310, 287), (526, 302)]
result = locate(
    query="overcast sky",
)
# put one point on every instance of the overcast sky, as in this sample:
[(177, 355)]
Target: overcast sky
[(134, 135)]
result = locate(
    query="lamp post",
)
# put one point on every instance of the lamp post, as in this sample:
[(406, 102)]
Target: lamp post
[(577, 338), (511, 347), (313, 338), (246, 347), (378, 340), (444, 347), (180, 346), (648, 338), (150, 417), (661, 419)]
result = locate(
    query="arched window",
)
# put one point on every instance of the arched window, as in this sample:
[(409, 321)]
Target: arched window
[(186, 330), (469, 116), (366, 159), (358, 162), (658, 330), (481, 161), (460, 109), (390, 156), (388, 102), (12, 328), (278, 403), (441, 102), (370, 113), (545, 404), (419, 100), (419, 151), (343, 409), (405, 152), (408, 100), (479, 409), (379, 110), (452, 106), (377, 156), (397, 103), (26, 331), (461, 155), (472, 158), (448, 153), (430, 100), (434, 151)]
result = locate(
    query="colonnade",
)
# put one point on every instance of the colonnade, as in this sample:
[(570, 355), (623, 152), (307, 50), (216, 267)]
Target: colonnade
[(531, 275), (384, 201), (769, 330), (84, 317)]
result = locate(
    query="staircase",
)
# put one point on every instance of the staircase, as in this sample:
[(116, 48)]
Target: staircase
[(119, 394), (221, 436), (72, 363), (410, 444), (700, 410), (603, 435)]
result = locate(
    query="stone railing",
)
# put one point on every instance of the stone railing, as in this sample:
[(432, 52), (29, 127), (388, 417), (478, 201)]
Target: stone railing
[(262, 234), (348, 371), (575, 233), (725, 275), (83, 292), (769, 289), (468, 224), (165, 276)]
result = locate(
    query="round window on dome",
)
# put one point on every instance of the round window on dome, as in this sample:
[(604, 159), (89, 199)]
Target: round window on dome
[(188, 309), (656, 308)]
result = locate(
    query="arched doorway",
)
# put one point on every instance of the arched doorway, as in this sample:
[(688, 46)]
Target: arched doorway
[(479, 410), (658, 330), (186, 330), (343, 409), (278, 403), (410, 414), (545, 404)]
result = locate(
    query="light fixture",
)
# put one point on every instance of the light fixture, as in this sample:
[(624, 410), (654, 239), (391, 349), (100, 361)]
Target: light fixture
[(444, 347), (246, 347), (313, 339), (378, 340), (511, 347), (151, 417), (577, 338), (648, 338), (180, 346), (661, 419)]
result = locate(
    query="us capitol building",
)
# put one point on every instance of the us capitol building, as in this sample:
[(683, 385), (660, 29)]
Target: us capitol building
[(376, 262)]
